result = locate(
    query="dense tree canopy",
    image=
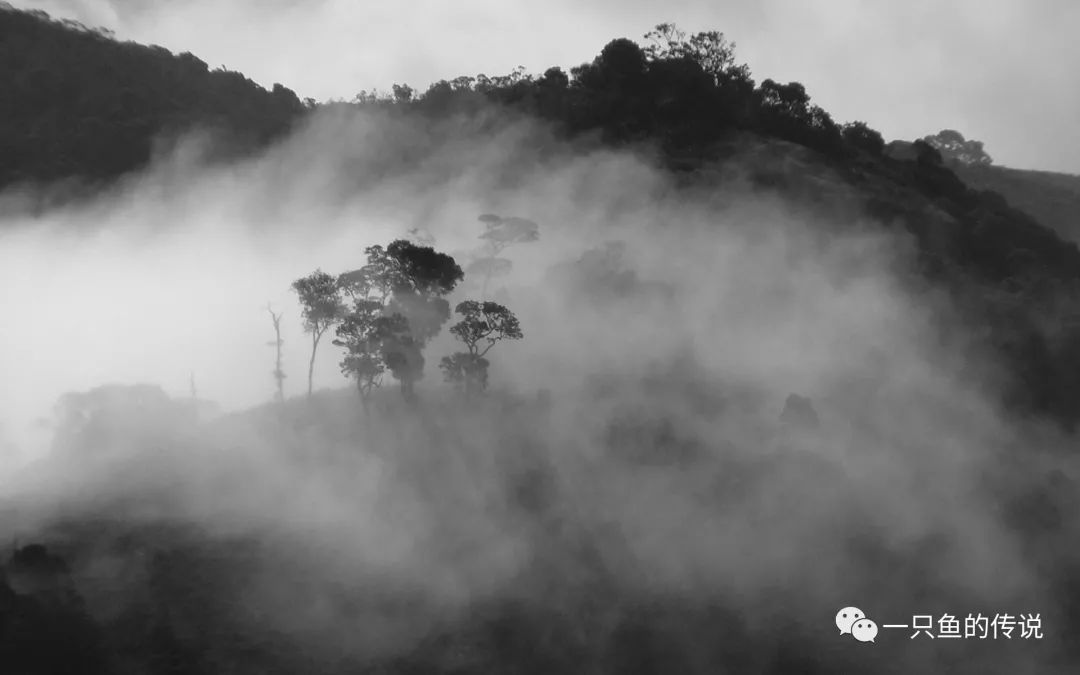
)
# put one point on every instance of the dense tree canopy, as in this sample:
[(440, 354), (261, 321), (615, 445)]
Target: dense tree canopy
[(398, 307), (860, 135)]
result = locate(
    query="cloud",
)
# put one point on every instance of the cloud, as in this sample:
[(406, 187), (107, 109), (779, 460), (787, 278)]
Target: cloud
[(670, 493)]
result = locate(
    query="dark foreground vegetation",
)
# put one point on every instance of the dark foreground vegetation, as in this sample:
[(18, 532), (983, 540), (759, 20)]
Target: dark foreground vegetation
[(518, 534), (522, 549)]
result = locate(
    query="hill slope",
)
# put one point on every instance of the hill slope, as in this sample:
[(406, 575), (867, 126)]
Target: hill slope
[(79, 103), (1052, 198), (635, 526), (86, 105), (310, 539)]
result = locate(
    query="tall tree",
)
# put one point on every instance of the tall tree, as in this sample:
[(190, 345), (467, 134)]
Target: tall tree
[(322, 307), (482, 325), (361, 333)]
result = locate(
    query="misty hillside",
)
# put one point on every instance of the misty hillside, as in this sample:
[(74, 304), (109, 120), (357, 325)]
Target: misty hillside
[(645, 367), (78, 103), (527, 551), (691, 109), (1053, 198)]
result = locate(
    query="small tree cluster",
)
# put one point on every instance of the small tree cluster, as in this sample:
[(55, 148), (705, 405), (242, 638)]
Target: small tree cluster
[(952, 146), (387, 311), (396, 308), (482, 325), (709, 49)]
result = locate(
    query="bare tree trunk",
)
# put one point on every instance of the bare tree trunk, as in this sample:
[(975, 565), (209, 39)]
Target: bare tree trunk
[(472, 374), (315, 336), (279, 373), (363, 396), (469, 384)]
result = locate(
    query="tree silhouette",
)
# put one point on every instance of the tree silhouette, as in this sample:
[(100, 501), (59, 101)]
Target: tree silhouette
[(926, 154), (709, 49), (860, 135), (500, 233), (482, 325), (278, 372), (321, 308), (785, 111), (952, 146), (615, 94), (399, 308), (362, 333)]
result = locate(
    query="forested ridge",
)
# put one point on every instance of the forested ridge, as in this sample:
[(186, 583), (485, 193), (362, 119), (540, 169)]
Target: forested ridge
[(78, 103)]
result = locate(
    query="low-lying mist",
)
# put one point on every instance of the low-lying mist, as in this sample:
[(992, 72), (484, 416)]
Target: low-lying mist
[(628, 459)]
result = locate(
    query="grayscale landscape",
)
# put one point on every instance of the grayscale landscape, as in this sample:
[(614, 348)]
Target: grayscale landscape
[(641, 363)]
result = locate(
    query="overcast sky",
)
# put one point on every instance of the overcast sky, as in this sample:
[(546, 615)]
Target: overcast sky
[(1001, 71)]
